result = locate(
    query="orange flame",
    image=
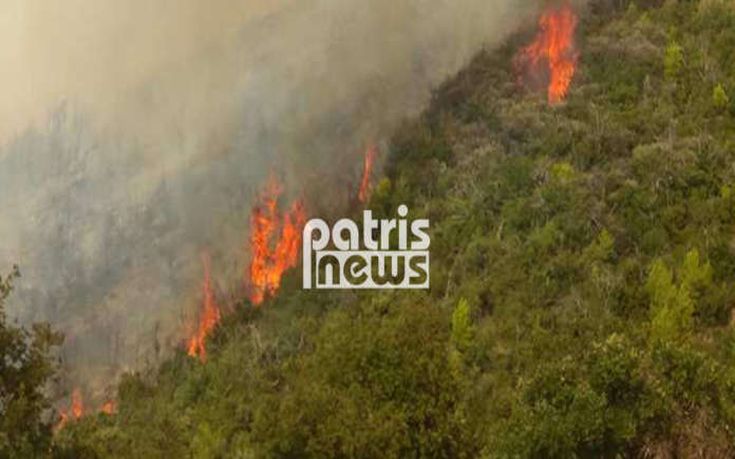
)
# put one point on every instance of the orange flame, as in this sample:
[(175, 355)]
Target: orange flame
[(269, 262), (75, 411), (209, 316), (110, 407), (367, 172), (77, 405), (554, 48)]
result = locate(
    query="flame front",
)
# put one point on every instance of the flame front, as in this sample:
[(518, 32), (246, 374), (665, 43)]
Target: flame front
[(554, 48), (270, 259), (209, 315), (367, 172)]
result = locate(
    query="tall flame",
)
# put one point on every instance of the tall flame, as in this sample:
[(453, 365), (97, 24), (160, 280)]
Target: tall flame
[(554, 49), (208, 318), (367, 172), (270, 259), (77, 405)]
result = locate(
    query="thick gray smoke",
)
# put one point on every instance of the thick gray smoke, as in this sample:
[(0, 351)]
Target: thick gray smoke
[(138, 132)]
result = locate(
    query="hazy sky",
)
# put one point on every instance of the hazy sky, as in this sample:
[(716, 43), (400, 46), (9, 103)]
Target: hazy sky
[(97, 51)]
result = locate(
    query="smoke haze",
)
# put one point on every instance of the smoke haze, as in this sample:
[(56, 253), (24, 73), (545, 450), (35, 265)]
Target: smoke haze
[(134, 135)]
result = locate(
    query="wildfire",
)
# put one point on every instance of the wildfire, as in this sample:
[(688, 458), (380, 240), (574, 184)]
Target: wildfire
[(75, 411), (272, 253), (367, 172), (208, 318), (553, 50)]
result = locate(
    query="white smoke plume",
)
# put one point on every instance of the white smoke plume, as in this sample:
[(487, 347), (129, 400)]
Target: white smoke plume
[(134, 134)]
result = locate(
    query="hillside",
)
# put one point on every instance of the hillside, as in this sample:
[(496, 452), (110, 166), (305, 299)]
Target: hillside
[(583, 259)]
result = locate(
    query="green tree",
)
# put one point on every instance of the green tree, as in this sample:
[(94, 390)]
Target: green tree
[(673, 60), (461, 325), (719, 97), (672, 306), (694, 273), (25, 368)]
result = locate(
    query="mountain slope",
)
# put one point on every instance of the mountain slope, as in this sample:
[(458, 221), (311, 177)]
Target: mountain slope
[(582, 268)]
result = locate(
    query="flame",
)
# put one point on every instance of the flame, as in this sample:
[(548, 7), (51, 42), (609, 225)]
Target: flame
[(109, 407), (367, 172), (77, 405), (269, 261), (208, 318), (75, 411), (553, 48)]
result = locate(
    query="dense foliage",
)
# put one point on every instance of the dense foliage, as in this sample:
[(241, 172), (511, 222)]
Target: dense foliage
[(26, 366), (583, 259)]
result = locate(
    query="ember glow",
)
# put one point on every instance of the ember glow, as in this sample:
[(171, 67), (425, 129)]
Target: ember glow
[(553, 51), (274, 242), (367, 172), (208, 318), (109, 407)]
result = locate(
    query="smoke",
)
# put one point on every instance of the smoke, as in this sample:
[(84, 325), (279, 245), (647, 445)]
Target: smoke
[(135, 134)]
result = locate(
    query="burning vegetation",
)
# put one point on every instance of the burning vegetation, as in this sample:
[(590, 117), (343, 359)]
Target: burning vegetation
[(552, 57), (209, 315), (274, 245), (365, 190), (75, 410), (109, 407), (275, 239)]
